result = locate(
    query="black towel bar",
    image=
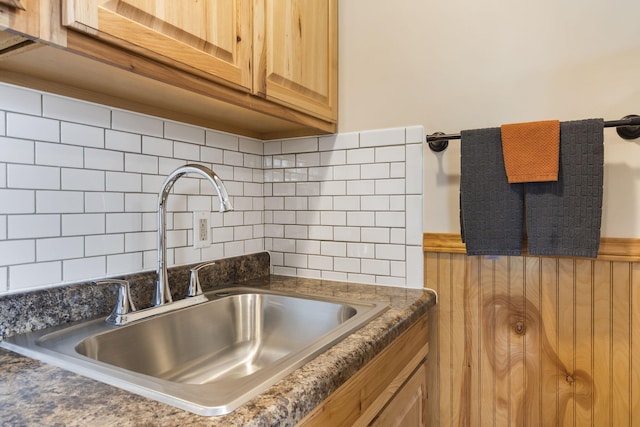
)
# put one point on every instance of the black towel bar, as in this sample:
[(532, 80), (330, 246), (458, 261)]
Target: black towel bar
[(627, 127)]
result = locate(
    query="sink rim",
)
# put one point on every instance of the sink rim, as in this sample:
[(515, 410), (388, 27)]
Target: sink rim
[(195, 398)]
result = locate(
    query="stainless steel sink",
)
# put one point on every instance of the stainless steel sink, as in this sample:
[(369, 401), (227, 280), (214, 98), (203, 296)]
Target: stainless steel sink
[(209, 358)]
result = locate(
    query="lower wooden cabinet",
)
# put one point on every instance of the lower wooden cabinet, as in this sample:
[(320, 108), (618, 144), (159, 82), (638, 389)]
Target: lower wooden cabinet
[(408, 407), (389, 390)]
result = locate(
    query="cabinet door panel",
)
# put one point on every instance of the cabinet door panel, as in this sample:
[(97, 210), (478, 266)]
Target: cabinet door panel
[(210, 36), (300, 50), (408, 406)]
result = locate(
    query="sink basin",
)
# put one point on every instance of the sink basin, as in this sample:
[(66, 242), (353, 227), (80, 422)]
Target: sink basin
[(209, 358)]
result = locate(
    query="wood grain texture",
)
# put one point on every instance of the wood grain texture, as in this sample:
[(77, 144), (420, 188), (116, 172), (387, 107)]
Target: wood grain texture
[(532, 341)]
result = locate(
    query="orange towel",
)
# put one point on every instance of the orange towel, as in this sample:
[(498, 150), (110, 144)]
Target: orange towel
[(531, 151)]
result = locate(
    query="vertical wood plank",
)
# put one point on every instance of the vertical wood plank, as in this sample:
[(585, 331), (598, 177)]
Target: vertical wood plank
[(566, 353), (517, 330), (533, 343), (583, 373), (549, 342), (433, 361), (446, 317), (458, 264), (501, 364), (486, 329), (602, 343), (635, 344), (473, 392), (620, 356)]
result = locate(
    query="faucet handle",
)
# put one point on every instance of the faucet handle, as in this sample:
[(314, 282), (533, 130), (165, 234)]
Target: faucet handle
[(194, 281), (124, 304)]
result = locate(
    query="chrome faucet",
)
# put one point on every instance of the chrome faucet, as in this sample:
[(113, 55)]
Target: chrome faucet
[(162, 293)]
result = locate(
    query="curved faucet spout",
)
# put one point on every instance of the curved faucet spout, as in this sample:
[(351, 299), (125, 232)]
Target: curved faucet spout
[(163, 293)]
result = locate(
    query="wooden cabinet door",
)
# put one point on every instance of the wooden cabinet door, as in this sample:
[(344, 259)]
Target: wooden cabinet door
[(296, 49), (209, 37), (408, 406)]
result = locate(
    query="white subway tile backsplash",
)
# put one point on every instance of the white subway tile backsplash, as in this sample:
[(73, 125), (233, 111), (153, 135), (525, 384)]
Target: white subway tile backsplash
[(83, 224), (361, 218), (33, 226), (83, 269), (390, 154), (103, 202), (83, 180), (333, 158), (143, 241), (251, 146), (222, 140), (376, 138), (361, 187), (375, 171), (124, 263), (17, 151), (184, 132), (184, 150), (139, 202), (59, 248), (72, 110), (346, 172), (320, 232), (14, 252), (36, 177), (339, 141), (346, 203), (414, 169), (414, 135), (136, 123), (123, 141), (390, 186), (123, 181), (300, 145), (35, 275), (104, 244), (59, 155), (103, 159), (348, 265), (83, 135), (337, 249), (157, 146), (32, 127), (19, 100), (376, 266), (59, 202), (17, 201), (123, 222), (140, 163), (332, 207), (361, 155)]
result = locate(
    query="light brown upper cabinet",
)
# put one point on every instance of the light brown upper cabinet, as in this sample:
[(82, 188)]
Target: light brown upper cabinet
[(296, 49), (261, 68), (211, 37)]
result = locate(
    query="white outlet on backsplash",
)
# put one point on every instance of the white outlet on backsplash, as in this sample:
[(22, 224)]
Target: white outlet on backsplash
[(79, 183)]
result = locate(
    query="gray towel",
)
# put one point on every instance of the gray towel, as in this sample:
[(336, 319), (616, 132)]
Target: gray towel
[(564, 217), (491, 209)]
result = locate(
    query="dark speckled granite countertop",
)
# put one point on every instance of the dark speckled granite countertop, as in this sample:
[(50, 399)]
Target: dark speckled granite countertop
[(37, 394)]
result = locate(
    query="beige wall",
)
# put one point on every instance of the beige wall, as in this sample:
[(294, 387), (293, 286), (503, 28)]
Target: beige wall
[(452, 65)]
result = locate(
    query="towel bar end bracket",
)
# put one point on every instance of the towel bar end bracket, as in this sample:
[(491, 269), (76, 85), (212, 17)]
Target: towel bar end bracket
[(629, 132)]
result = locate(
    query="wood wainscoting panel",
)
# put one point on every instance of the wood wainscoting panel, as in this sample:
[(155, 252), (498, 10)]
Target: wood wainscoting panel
[(534, 341)]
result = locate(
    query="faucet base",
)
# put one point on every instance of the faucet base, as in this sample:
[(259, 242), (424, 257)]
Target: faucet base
[(123, 319)]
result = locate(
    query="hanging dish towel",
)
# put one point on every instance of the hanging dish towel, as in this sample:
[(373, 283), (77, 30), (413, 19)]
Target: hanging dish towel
[(531, 151), (491, 209), (564, 217)]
